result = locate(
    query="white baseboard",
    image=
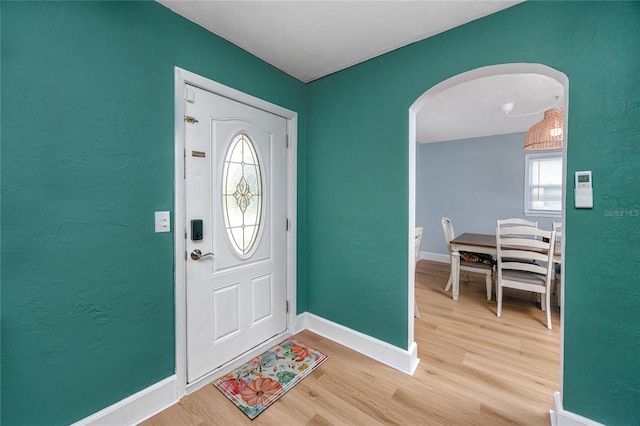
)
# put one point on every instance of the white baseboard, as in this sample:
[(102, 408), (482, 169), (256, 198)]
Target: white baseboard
[(404, 360), (561, 417), (152, 400), (160, 396), (436, 257), (137, 407)]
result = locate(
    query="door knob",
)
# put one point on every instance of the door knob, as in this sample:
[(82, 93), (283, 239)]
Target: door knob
[(197, 254)]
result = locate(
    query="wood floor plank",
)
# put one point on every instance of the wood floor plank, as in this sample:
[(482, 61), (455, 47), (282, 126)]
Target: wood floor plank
[(475, 369)]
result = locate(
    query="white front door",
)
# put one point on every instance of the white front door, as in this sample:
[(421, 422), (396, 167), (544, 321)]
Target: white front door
[(235, 186)]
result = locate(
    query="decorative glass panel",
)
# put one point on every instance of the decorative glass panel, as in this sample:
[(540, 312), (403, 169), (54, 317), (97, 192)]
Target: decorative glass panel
[(242, 194)]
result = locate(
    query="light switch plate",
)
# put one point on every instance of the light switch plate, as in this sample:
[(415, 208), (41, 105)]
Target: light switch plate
[(163, 221)]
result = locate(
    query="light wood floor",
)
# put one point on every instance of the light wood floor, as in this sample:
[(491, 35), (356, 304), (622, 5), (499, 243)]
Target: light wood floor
[(475, 369)]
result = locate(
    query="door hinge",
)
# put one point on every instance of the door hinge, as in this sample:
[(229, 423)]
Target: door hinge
[(190, 119), (189, 95), (185, 255), (287, 306), (184, 164), (287, 224), (287, 145)]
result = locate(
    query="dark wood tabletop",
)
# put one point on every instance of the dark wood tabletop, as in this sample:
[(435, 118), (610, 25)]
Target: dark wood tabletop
[(482, 240)]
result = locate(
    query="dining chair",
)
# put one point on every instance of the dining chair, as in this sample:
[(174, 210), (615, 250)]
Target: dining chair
[(467, 266), (557, 276), (516, 246), (418, 237)]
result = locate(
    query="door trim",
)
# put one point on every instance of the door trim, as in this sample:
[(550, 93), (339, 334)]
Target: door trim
[(181, 79)]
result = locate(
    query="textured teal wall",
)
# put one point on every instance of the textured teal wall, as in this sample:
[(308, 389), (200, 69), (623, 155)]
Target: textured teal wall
[(87, 142), (357, 194), (87, 157)]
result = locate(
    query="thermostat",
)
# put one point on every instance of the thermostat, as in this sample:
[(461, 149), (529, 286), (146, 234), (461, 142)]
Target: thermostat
[(583, 191)]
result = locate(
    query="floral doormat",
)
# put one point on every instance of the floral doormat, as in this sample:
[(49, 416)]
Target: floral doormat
[(254, 386)]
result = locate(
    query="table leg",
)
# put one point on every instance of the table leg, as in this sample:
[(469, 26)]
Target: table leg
[(455, 271)]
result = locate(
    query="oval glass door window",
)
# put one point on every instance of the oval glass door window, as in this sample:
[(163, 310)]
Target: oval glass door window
[(242, 194)]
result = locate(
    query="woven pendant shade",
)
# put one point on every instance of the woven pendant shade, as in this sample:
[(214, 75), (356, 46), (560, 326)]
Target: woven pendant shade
[(547, 134)]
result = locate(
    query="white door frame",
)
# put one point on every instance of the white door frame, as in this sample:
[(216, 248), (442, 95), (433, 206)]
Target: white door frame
[(182, 78)]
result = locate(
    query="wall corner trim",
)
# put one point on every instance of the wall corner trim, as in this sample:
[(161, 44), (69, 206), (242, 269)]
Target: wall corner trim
[(561, 417), (403, 360), (137, 407)]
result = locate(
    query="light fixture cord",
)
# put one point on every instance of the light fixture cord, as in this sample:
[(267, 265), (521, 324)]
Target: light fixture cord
[(533, 113)]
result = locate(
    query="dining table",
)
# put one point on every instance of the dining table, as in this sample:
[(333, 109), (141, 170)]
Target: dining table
[(477, 243)]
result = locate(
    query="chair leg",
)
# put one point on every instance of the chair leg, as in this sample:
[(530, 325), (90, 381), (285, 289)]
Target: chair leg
[(547, 298), (450, 282), (499, 298), (488, 279)]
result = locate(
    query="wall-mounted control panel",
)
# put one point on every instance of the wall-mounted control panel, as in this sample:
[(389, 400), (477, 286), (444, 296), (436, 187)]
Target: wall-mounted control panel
[(583, 191)]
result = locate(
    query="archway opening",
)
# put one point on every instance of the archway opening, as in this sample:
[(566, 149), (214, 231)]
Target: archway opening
[(419, 105)]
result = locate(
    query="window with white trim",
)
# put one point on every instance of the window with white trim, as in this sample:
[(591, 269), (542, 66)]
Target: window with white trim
[(543, 184)]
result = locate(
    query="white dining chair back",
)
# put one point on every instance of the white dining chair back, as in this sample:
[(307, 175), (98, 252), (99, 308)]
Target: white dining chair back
[(525, 262), (515, 221), (557, 278), (418, 237), (466, 266), (449, 234)]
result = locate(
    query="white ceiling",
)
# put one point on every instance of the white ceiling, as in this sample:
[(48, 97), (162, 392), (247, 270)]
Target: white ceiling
[(310, 39), (474, 109)]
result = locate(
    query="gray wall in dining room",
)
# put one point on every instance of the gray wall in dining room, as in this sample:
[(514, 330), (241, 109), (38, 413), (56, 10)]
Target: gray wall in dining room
[(473, 182)]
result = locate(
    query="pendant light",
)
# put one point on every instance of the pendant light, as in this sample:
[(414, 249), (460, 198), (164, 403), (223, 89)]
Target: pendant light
[(548, 133)]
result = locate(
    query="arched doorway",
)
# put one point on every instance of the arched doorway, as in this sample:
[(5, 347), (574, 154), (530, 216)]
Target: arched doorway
[(418, 105)]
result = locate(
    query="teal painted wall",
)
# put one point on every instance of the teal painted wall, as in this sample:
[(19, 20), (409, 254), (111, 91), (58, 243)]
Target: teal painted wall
[(87, 157), (357, 194), (87, 142)]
